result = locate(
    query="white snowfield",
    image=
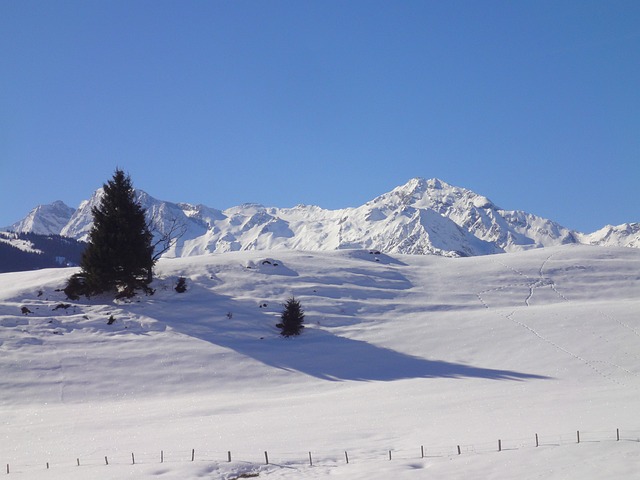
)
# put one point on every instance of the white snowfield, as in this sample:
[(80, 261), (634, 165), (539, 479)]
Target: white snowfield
[(403, 361)]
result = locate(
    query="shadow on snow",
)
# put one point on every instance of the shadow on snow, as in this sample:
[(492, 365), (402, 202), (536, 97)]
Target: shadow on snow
[(321, 354), (318, 352)]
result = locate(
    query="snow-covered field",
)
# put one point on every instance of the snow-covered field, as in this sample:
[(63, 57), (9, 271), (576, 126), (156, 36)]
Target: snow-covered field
[(402, 356)]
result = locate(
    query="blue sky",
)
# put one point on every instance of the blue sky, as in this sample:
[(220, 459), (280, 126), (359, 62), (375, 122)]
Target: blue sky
[(534, 104)]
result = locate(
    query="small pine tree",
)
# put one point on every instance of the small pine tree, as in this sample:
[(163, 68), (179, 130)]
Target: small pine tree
[(119, 255), (292, 318), (181, 285)]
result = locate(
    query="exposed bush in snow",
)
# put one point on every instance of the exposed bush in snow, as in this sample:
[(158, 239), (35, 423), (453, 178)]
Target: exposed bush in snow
[(292, 318), (181, 285)]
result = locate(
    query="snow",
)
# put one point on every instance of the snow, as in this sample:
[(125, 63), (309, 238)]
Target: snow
[(10, 238), (45, 219), (419, 217), (399, 353), (626, 235)]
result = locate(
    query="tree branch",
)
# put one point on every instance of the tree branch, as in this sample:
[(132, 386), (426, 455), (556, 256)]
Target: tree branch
[(166, 238)]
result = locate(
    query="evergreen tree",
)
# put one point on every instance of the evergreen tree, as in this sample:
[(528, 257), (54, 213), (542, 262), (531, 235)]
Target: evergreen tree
[(119, 255), (292, 317)]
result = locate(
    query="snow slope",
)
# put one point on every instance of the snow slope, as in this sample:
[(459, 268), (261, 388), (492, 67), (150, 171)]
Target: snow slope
[(420, 217), (10, 238), (625, 235), (45, 219), (400, 352)]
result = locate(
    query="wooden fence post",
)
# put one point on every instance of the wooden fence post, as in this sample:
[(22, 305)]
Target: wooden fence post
[(47, 465), (537, 440), (106, 460), (193, 454), (266, 457), (229, 456), (133, 459), (389, 454), (578, 433), (78, 461), (421, 451), (459, 452), (310, 460), (161, 456), (617, 434), (499, 445), (346, 456)]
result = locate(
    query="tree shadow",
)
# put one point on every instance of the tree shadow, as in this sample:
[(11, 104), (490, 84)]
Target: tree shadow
[(249, 329), (321, 354)]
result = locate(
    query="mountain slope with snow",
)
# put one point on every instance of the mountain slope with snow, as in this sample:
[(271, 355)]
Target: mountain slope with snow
[(45, 219), (399, 352), (420, 217), (625, 235), (32, 251)]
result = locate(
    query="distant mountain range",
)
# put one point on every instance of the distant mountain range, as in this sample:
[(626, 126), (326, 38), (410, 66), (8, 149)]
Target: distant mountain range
[(420, 217)]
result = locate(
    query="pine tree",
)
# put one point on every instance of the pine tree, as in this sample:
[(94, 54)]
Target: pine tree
[(292, 318), (119, 256)]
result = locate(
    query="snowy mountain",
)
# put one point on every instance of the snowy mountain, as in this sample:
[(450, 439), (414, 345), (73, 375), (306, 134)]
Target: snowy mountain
[(420, 217), (625, 235), (45, 219)]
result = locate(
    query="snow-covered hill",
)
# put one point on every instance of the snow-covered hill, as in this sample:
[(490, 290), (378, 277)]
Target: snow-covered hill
[(405, 354), (420, 217)]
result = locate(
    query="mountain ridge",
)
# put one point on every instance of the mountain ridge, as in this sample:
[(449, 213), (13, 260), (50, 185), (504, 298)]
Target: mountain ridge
[(423, 216)]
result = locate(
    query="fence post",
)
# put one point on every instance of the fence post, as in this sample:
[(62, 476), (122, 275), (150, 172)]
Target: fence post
[(229, 456), (133, 459), (346, 457), (7, 469), (193, 454), (617, 434), (499, 445), (266, 457), (389, 454), (47, 465), (106, 460), (310, 460), (78, 461), (578, 433), (421, 451), (459, 452), (161, 456), (537, 440)]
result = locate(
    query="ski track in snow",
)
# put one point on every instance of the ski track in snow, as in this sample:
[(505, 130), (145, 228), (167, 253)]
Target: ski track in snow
[(541, 282), (605, 316), (588, 363), (624, 325), (598, 335)]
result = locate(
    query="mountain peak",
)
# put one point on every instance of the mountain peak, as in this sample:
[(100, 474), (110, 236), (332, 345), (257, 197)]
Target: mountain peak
[(420, 216), (45, 219), (421, 193), (421, 185)]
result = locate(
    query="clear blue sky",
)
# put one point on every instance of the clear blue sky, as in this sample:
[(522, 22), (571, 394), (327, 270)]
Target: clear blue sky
[(534, 104)]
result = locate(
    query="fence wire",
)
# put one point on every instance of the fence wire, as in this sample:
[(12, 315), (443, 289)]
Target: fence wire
[(322, 457)]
